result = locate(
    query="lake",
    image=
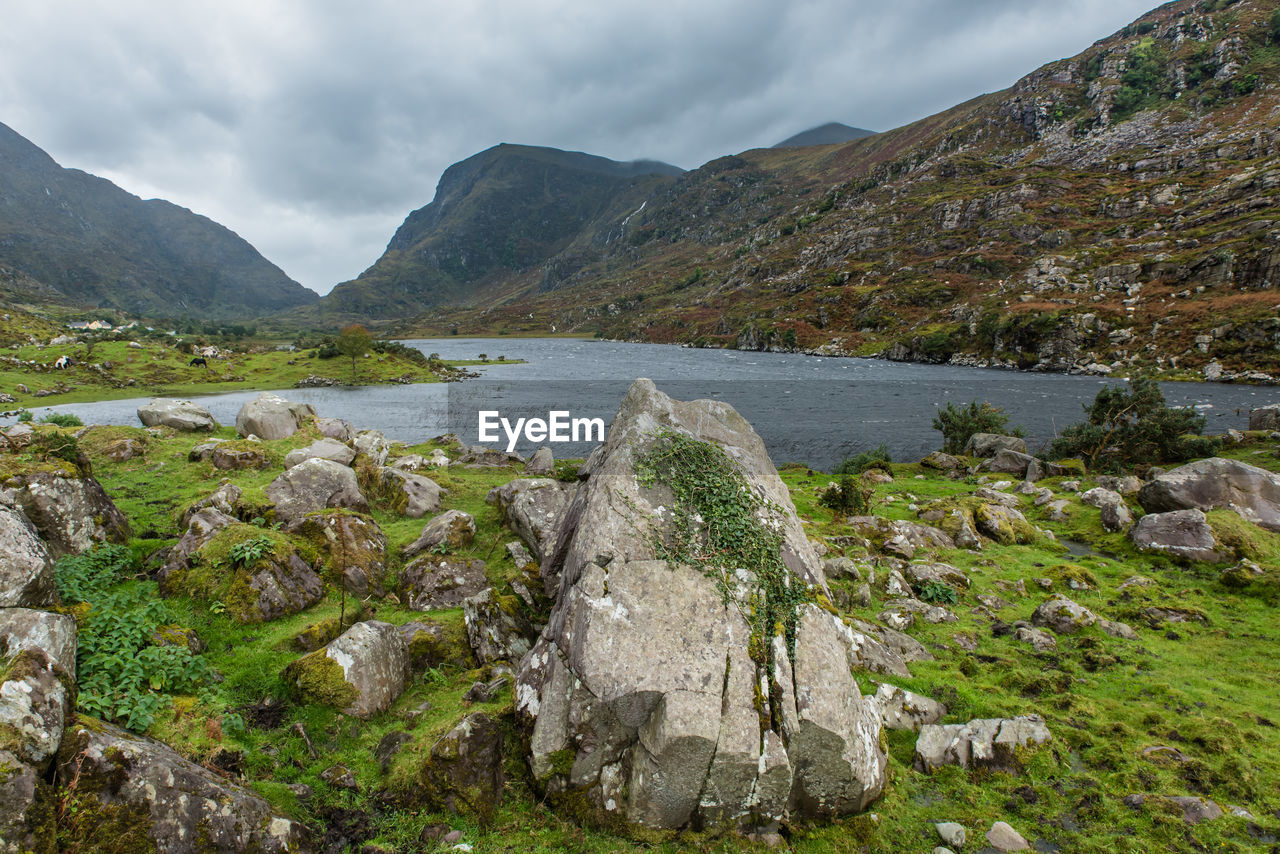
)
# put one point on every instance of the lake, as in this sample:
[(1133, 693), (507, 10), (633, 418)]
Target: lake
[(807, 409)]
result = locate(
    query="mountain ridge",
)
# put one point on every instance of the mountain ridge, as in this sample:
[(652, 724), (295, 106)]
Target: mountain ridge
[(831, 133)]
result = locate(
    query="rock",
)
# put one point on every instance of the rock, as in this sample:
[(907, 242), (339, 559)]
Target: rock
[(1044, 495), (1058, 510), (480, 456), (168, 799), (229, 457), (356, 545), (178, 414), (943, 462), (520, 556), (203, 452), (1181, 534), (324, 449), (433, 582), (362, 672), (223, 499), (995, 496), (1003, 524), (905, 647), (541, 464), (984, 743), (373, 445), (463, 772), (1062, 615), (390, 745), (900, 537), (26, 567), (37, 681), (335, 428), (1010, 462), (1194, 810), (898, 613), (838, 568), (312, 485), (409, 462), (340, 777), (23, 828), (904, 710), (415, 495), (950, 833), (1115, 514), (1117, 630), (453, 529), (1026, 488), (1040, 640), (495, 629), (71, 514), (1252, 492), (202, 525), (269, 416), (1127, 485), (989, 444), (1070, 486), (1265, 417), (122, 450), (533, 508), (647, 720), (485, 692), (1002, 837)]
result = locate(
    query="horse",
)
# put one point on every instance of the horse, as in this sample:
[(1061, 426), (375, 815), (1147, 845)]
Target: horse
[(62, 363), (199, 360)]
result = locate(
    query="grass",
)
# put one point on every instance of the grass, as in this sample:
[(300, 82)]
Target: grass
[(1204, 688)]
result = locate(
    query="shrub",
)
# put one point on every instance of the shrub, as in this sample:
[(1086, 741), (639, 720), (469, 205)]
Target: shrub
[(959, 423), (62, 419), (25, 416), (876, 458), (1131, 425), (850, 497)]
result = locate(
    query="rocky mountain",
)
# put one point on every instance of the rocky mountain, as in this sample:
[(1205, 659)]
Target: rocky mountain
[(502, 213), (1108, 210), (95, 244), (829, 134)]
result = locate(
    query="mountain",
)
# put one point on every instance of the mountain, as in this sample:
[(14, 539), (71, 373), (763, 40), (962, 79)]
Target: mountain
[(501, 213), (97, 245), (831, 133)]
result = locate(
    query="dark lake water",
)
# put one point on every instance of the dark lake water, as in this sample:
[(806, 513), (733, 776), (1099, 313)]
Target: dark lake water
[(807, 409)]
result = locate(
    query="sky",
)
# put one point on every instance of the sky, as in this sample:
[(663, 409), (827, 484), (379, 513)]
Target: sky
[(313, 127)]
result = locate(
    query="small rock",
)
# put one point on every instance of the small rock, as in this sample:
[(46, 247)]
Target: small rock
[(340, 776), (1002, 837), (951, 833)]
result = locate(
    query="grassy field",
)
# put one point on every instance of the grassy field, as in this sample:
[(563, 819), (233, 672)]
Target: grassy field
[(1204, 687)]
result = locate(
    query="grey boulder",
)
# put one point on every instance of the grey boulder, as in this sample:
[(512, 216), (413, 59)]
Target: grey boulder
[(904, 710), (269, 416), (37, 681), (991, 743), (315, 484), (451, 530), (1252, 492), (541, 464), (495, 630), (370, 658), (324, 449), (1183, 534), (71, 514), (414, 495), (26, 567), (989, 444), (533, 508), (178, 414)]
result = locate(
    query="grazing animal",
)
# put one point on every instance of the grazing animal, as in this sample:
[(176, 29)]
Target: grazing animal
[(63, 362), (199, 360)]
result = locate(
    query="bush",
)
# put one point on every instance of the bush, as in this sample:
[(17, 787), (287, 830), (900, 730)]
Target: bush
[(876, 458), (62, 419), (850, 497), (25, 416), (1131, 425), (959, 424)]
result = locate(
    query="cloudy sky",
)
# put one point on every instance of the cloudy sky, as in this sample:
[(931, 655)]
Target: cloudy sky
[(312, 127)]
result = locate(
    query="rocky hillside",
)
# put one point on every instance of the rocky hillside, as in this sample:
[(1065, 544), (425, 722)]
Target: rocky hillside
[(1109, 209), (507, 211), (84, 241)]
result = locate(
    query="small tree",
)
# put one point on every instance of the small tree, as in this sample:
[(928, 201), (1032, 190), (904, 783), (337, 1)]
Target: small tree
[(354, 341), (1131, 425), (958, 423)]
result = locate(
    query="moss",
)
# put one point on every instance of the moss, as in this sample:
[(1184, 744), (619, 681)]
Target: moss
[(1074, 572), (317, 678), (318, 634), (562, 761), (88, 824)]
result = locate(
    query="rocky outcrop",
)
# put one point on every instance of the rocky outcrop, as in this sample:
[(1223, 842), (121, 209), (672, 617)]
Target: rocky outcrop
[(361, 672), (269, 416), (452, 530), (991, 743), (324, 449), (177, 414), (541, 464), (433, 582), (312, 485), (1252, 492), (26, 567), (533, 508), (169, 801), (71, 514), (657, 722), (1181, 534)]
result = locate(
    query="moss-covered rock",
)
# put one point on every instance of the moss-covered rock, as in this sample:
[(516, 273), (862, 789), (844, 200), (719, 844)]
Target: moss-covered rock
[(463, 772), (355, 548)]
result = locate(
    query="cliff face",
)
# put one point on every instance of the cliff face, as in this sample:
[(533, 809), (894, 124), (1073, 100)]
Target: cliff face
[(96, 245), (1110, 208)]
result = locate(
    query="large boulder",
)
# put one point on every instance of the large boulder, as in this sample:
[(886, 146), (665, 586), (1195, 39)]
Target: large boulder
[(164, 800), (990, 444), (541, 464), (71, 514), (26, 568), (463, 772), (1181, 534), (335, 428), (991, 743), (361, 672), (1115, 513), (414, 495), (269, 416), (432, 582), (315, 484), (325, 449), (496, 628), (356, 546), (902, 709), (533, 508), (1252, 492), (373, 445), (452, 530), (178, 414), (37, 681), (1063, 615), (646, 696), (1265, 417)]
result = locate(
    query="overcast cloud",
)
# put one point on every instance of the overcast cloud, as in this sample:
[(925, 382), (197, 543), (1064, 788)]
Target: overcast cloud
[(312, 127)]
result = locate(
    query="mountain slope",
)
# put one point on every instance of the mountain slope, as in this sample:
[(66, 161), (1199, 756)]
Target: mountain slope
[(1113, 210), (504, 211), (831, 133), (97, 245)]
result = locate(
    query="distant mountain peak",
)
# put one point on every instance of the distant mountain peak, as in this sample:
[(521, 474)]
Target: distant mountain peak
[(831, 133)]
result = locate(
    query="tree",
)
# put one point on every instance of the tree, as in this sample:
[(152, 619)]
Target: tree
[(1131, 425), (354, 341), (958, 423)]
